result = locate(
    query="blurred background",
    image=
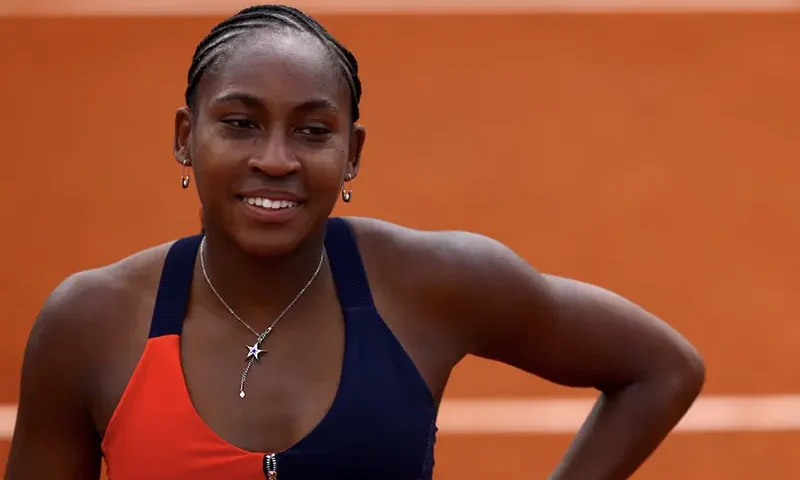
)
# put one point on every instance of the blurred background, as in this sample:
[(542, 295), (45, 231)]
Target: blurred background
[(652, 152)]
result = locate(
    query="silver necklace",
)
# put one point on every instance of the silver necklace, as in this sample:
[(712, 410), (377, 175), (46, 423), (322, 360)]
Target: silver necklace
[(253, 351)]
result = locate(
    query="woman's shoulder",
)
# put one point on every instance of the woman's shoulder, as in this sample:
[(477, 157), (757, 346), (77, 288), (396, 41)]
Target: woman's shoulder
[(97, 298), (438, 281), (433, 267), (432, 249)]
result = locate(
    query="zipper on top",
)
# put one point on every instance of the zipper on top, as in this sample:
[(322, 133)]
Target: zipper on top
[(271, 466)]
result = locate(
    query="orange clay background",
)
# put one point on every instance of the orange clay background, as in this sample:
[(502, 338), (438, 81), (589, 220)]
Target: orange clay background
[(654, 155)]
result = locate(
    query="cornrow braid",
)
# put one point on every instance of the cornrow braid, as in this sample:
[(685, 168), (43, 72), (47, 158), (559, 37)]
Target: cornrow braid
[(225, 35)]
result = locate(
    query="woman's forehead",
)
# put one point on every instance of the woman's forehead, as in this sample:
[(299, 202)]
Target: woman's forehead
[(279, 62)]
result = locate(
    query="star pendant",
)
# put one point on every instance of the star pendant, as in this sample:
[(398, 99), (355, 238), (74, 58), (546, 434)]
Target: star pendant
[(254, 351)]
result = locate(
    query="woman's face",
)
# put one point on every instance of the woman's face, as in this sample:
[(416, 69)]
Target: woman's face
[(271, 140)]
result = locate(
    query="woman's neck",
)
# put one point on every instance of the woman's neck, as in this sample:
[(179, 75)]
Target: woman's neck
[(258, 289)]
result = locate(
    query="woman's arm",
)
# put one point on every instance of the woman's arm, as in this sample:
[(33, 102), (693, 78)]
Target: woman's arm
[(573, 334), (54, 437)]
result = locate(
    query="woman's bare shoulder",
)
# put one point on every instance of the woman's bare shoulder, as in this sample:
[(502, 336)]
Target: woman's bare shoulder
[(89, 300)]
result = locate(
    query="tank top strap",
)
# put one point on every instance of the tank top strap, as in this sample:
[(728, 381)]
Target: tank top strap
[(346, 265), (173, 289)]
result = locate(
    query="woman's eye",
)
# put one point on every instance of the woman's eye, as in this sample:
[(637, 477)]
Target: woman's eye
[(239, 123), (314, 131)]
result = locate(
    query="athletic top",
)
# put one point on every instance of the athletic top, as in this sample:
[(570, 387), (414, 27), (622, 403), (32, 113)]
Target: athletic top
[(381, 425)]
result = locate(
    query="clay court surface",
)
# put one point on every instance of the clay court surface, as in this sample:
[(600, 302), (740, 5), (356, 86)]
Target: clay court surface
[(656, 155)]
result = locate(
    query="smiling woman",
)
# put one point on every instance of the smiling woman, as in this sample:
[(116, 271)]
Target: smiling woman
[(282, 341)]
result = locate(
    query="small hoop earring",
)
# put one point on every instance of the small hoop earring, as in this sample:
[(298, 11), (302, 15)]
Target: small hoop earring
[(184, 175), (348, 194)]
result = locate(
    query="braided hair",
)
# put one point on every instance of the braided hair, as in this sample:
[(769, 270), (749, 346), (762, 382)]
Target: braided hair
[(226, 35)]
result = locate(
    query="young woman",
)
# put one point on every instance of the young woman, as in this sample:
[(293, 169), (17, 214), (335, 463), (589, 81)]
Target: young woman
[(282, 342)]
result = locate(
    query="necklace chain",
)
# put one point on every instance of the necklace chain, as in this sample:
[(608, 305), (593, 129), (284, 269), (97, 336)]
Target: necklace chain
[(253, 351)]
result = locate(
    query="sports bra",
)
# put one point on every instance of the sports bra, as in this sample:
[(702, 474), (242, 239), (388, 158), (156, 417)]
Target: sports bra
[(380, 426)]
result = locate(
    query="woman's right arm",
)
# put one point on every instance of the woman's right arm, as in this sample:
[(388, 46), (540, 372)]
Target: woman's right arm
[(54, 436)]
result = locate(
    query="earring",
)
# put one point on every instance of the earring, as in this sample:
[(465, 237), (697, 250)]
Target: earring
[(184, 175), (348, 194)]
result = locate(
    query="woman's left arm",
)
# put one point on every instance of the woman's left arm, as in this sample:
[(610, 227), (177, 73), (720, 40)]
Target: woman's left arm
[(573, 334)]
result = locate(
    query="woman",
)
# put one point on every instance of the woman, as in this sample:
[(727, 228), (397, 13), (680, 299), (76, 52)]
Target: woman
[(282, 342)]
